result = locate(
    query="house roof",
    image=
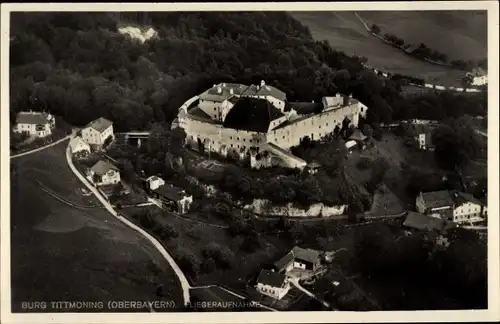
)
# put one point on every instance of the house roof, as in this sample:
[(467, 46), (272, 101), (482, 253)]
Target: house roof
[(153, 178), (77, 141), (271, 278), (267, 90), (284, 261), (357, 135), (226, 91), (197, 111), (100, 124), (305, 254), (423, 222), (460, 198), (350, 144), (297, 253), (435, 199), (314, 165), (170, 192), (252, 114), (33, 118), (102, 167)]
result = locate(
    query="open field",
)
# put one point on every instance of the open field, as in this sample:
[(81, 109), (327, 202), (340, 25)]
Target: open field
[(78, 254), (459, 34), (346, 33)]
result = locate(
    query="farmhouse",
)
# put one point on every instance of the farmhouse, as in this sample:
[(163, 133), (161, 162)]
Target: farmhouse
[(459, 207), (97, 132), (437, 204), (272, 284), (246, 121), (39, 124), (104, 173), (298, 258), (79, 147), (467, 209), (172, 198)]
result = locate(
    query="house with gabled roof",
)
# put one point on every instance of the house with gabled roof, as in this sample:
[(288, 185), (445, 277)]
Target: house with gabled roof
[(34, 123), (272, 284), (104, 173), (172, 198), (436, 203), (79, 147), (97, 132), (456, 206), (467, 208), (298, 258)]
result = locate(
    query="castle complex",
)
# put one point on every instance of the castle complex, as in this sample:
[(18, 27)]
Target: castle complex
[(258, 123)]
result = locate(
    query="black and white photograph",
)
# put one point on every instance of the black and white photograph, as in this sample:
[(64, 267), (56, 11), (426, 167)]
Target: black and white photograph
[(239, 159)]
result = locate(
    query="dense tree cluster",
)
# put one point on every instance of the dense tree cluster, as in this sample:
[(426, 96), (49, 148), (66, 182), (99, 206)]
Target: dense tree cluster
[(79, 67), (456, 144), (451, 271)]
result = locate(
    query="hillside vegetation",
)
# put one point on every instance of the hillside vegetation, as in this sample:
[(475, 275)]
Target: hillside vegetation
[(79, 67)]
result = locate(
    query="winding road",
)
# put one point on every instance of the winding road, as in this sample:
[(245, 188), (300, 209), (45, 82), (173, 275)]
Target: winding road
[(180, 275)]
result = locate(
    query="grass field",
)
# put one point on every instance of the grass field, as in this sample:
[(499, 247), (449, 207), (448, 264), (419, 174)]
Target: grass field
[(346, 33), (68, 254)]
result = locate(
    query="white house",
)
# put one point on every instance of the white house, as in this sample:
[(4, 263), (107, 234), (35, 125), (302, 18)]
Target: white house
[(104, 173), (467, 209), (39, 124), (154, 182), (272, 284), (78, 146), (97, 131)]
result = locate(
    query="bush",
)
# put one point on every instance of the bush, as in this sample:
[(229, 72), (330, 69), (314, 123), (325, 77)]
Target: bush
[(222, 255), (363, 163)]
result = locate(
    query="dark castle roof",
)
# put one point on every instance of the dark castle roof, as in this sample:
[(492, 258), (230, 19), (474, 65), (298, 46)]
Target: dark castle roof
[(252, 114)]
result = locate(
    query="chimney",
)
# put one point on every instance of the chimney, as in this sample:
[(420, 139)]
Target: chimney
[(231, 91), (346, 101), (219, 90), (224, 85), (262, 83)]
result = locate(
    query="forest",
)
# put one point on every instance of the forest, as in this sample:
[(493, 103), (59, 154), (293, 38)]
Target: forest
[(79, 67)]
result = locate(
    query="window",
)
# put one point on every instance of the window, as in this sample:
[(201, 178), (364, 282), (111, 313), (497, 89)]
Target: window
[(238, 138), (244, 140), (230, 137), (250, 141), (326, 124), (231, 145), (361, 109)]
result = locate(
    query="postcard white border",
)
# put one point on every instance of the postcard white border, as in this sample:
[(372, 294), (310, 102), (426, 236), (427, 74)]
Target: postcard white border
[(293, 317)]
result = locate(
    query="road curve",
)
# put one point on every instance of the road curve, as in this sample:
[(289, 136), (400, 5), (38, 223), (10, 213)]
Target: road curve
[(41, 148), (180, 275)]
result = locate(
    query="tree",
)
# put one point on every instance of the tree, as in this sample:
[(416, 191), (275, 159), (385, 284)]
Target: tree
[(455, 145), (375, 29), (367, 131)]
